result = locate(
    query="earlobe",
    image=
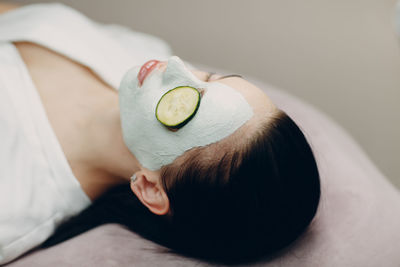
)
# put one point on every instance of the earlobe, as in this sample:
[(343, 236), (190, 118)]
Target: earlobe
[(149, 191)]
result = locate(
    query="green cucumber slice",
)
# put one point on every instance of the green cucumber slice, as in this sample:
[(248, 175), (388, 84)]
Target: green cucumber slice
[(178, 106)]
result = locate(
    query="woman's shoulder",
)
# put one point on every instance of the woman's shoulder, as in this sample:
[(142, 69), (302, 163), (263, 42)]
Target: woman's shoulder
[(108, 49)]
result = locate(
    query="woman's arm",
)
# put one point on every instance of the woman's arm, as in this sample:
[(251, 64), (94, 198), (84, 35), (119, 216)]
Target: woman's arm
[(4, 7)]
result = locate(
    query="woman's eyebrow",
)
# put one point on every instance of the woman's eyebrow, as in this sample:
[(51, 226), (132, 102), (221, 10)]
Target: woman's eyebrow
[(230, 75), (223, 77)]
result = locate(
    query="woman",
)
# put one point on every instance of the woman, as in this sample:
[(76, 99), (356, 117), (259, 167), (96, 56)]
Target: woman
[(235, 181)]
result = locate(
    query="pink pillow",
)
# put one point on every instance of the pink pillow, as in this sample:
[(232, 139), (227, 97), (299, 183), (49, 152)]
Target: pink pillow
[(357, 223)]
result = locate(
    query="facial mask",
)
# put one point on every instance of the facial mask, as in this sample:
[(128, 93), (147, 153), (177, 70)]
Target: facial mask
[(222, 110)]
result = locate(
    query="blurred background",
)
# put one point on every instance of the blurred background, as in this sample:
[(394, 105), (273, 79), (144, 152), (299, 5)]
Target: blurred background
[(342, 56)]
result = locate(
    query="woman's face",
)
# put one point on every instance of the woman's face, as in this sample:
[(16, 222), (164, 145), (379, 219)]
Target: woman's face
[(225, 105)]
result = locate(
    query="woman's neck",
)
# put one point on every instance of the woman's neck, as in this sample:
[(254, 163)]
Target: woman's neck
[(105, 159)]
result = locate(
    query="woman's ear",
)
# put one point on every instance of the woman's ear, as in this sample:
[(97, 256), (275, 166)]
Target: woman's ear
[(148, 189)]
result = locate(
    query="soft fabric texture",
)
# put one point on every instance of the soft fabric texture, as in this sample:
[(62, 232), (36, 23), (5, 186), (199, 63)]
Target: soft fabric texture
[(38, 190), (356, 224)]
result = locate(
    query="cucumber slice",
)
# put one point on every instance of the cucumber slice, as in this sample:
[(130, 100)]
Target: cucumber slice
[(178, 106)]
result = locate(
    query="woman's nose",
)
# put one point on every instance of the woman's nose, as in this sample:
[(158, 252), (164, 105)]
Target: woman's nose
[(162, 65)]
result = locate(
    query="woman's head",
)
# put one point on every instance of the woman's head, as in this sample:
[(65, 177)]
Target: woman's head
[(230, 106), (249, 194)]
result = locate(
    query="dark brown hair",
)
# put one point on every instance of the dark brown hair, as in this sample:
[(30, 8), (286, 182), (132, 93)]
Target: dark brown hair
[(233, 201)]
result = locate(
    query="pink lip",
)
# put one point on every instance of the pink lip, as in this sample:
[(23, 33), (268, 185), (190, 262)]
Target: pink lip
[(146, 69)]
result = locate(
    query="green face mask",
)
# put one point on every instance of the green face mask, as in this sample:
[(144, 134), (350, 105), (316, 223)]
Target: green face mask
[(220, 112)]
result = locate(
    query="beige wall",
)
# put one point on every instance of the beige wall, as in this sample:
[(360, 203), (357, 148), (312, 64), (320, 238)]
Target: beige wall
[(340, 55)]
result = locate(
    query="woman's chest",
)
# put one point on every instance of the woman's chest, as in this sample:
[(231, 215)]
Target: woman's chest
[(71, 94)]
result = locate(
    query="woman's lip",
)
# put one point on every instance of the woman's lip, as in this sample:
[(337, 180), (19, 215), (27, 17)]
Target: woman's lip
[(146, 69)]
